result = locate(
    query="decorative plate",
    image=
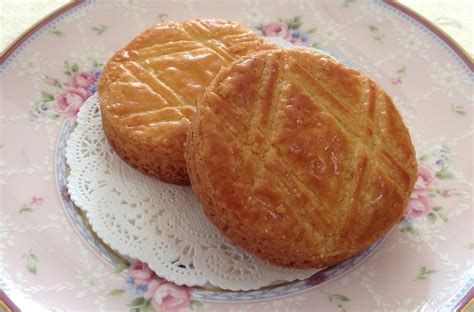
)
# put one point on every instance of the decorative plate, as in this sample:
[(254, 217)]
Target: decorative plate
[(51, 260)]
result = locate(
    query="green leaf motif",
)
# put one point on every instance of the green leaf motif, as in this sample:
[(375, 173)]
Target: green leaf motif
[(376, 34), (294, 23), (458, 109), (31, 260), (121, 265), (347, 3), (340, 297), (297, 25), (410, 229), (423, 157), (116, 292), (443, 217), (423, 273), (443, 174), (75, 67), (25, 209), (31, 267), (137, 302), (99, 29), (431, 217), (401, 70), (56, 32), (437, 208), (373, 28), (311, 30), (46, 96), (194, 304), (337, 298), (148, 308), (469, 246)]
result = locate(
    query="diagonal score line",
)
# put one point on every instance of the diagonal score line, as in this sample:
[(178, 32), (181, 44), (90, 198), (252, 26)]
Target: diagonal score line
[(198, 25), (275, 105), (167, 91), (306, 81), (344, 123), (264, 85), (142, 121), (220, 51), (155, 91), (239, 38), (358, 198), (371, 102), (157, 57), (206, 43), (325, 221), (228, 32), (165, 46), (368, 147), (251, 155)]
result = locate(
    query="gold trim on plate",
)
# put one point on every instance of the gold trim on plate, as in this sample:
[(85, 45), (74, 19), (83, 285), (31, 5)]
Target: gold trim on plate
[(32, 27)]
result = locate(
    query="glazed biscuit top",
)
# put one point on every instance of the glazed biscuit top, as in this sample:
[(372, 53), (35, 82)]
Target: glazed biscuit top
[(305, 149), (152, 85)]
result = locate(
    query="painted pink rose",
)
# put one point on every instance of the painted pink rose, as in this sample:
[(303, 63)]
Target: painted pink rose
[(420, 204), (152, 287), (297, 41), (447, 193), (69, 101), (276, 30), (82, 80), (425, 177), (396, 81), (36, 200), (141, 273), (170, 297)]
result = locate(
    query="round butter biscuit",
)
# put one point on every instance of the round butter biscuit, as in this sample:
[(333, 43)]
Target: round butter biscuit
[(149, 89), (299, 159)]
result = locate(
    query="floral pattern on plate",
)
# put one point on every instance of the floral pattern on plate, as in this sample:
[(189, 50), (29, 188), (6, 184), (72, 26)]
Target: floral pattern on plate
[(65, 96), (154, 293), (435, 257), (290, 30)]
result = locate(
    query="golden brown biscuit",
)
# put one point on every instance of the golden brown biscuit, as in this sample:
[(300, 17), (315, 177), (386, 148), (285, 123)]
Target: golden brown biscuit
[(299, 159), (148, 90)]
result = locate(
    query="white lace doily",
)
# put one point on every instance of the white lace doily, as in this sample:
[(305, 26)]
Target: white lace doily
[(158, 223)]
